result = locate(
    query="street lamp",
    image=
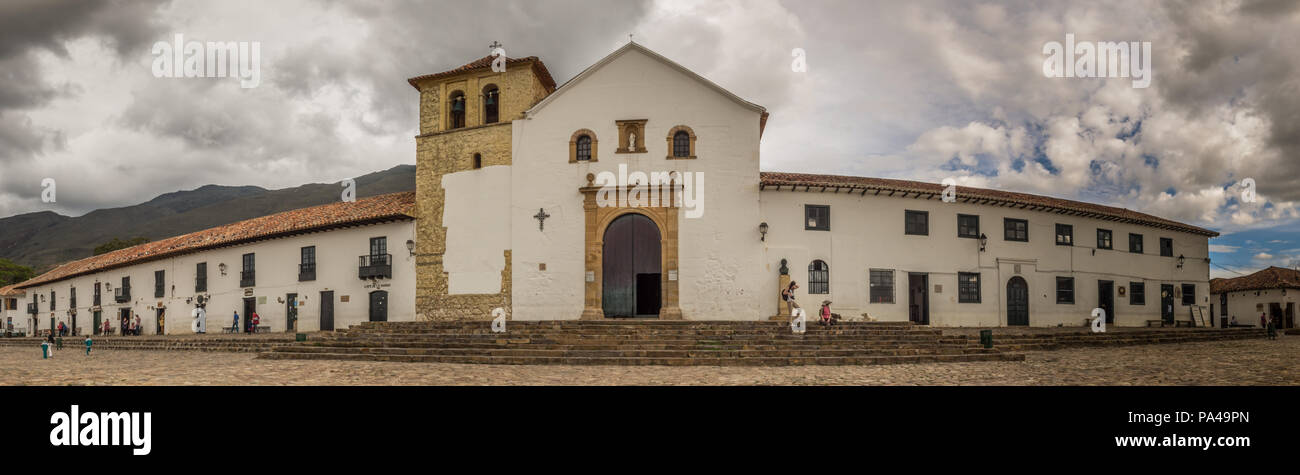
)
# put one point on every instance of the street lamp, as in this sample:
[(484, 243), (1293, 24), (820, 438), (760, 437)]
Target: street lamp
[(762, 231), (984, 241)]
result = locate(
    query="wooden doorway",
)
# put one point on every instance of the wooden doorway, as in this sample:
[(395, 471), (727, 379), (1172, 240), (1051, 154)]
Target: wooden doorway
[(291, 313), (99, 325), (124, 320), (250, 307), (631, 268), (379, 306), (327, 310), (918, 298), (1017, 302), (1288, 319), (1106, 299), (161, 322), (1167, 304)]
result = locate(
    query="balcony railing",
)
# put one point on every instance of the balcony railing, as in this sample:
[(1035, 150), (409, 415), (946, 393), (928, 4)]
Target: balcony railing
[(247, 278), (31, 308), (96, 299), (306, 272), (122, 294), (375, 266)]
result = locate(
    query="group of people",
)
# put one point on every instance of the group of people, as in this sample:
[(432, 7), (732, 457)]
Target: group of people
[(788, 296), (253, 321), (130, 326)]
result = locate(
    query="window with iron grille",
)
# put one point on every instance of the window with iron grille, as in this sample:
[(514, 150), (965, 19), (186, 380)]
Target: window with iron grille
[(968, 226), (1104, 240), (51, 300), (968, 287), (307, 264), (584, 148), (1135, 243), (882, 286), (1065, 290), (819, 278), (72, 297), (1064, 235), (1189, 294), (1167, 247), (1137, 293), (201, 277), (916, 222), (681, 144), (1016, 229), (248, 274), (158, 286), (817, 217)]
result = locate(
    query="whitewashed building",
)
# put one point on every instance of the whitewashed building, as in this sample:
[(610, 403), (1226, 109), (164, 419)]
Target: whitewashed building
[(1271, 292), (510, 186), (12, 310), (319, 268)]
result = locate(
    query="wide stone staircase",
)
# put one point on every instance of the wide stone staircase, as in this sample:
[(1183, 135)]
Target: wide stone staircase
[(236, 343), (675, 343), (1008, 340)]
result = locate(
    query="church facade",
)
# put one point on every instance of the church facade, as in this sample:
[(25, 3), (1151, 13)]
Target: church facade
[(634, 191)]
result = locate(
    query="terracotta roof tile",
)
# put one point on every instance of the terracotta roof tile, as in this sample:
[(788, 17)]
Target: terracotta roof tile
[(486, 62), (979, 195), (317, 218), (11, 291), (1271, 278)]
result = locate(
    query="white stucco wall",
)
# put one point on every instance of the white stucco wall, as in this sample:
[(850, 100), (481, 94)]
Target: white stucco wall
[(478, 203), (718, 269), (276, 269), (1247, 306), (867, 232)]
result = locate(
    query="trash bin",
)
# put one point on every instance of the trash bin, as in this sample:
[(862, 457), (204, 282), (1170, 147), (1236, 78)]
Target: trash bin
[(300, 337), (986, 338)]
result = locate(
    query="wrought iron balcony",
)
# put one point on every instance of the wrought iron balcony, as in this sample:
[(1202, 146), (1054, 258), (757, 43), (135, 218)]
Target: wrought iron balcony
[(122, 294), (375, 266), (306, 272), (247, 278), (31, 308), (96, 300)]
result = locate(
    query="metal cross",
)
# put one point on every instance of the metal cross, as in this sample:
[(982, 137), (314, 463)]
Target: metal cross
[(494, 45), (541, 218)]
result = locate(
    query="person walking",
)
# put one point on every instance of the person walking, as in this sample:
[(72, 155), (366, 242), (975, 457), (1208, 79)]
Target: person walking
[(234, 327), (1272, 329), (788, 296), (136, 325)]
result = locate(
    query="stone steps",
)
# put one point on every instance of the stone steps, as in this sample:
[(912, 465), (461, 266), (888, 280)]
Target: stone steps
[(640, 361), (157, 344), (643, 352)]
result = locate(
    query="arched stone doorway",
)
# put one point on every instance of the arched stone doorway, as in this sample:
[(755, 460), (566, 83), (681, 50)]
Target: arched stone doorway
[(631, 268), (1017, 302), (606, 222)]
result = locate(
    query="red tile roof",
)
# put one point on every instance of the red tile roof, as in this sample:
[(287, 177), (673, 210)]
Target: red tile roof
[(375, 209), (485, 62), (11, 291), (964, 194), (1271, 278)]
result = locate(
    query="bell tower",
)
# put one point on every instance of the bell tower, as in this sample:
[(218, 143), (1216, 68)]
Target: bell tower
[(465, 116)]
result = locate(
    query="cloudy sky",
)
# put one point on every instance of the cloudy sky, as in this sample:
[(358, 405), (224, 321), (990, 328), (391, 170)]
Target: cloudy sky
[(909, 89)]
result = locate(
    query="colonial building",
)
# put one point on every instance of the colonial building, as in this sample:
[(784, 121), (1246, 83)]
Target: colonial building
[(514, 205), (11, 309), (309, 269), (1270, 292)]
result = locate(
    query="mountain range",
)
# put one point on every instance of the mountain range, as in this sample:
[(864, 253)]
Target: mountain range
[(45, 239)]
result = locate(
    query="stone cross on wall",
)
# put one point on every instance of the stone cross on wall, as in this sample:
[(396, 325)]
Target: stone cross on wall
[(541, 219)]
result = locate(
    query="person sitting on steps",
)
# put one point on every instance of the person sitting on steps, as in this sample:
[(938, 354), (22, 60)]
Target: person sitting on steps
[(826, 314)]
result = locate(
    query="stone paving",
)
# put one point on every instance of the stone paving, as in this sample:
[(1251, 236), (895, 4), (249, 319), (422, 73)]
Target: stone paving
[(1242, 362)]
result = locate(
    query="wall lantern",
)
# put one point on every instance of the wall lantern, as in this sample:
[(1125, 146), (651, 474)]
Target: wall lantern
[(762, 231), (222, 268), (1180, 261), (410, 246), (984, 241)]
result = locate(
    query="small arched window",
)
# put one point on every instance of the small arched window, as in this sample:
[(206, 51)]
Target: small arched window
[(457, 117), (681, 144), (478, 161), (584, 148), (819, 277), (491, 104)]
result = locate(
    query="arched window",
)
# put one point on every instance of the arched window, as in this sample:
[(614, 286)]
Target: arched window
[(457, 117), (491, 104), (478, 161), (819, 277), (681, 144), (584, 148)]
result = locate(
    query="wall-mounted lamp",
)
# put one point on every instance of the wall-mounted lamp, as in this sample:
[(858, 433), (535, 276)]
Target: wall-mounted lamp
[(1180, 261), (410, 246), (984, 241), (222, 267), (762, 231)]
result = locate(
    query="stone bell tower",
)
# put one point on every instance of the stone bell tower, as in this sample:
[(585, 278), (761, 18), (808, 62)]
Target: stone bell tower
[(465, 116)]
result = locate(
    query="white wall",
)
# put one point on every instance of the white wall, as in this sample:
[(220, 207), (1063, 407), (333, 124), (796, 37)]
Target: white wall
[(1247, 306), (276, 269), (867, 232), (478, 203), (718, 272)]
